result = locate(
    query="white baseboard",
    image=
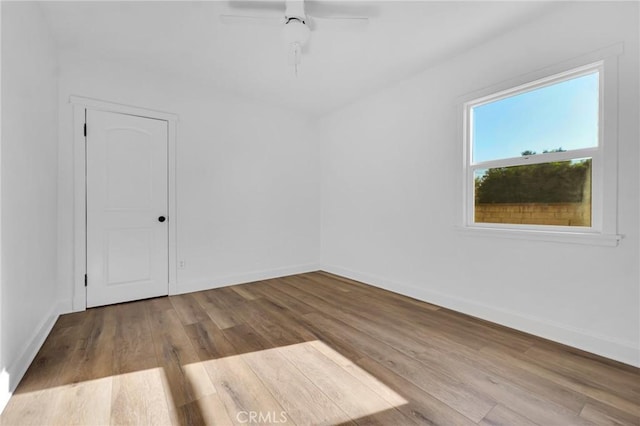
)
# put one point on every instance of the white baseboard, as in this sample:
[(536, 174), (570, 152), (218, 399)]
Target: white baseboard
[(586, 340), (208, 284), (5, 392), (10, 377)]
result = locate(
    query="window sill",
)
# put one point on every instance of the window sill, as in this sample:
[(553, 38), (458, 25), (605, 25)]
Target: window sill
[(585, 238)]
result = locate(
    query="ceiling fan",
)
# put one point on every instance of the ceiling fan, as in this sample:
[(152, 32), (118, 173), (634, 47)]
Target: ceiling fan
[(298, 19)]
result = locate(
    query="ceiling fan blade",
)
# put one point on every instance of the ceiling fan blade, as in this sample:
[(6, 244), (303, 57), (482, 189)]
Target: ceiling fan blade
[(270, 21), (257, 5), (347, 23), (332, 8)]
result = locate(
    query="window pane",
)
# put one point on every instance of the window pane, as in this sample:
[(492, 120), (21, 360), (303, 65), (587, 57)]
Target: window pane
[(562, 116), (557, 193)]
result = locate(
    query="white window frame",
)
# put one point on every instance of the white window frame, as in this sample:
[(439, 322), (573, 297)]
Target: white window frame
[(604, 156)]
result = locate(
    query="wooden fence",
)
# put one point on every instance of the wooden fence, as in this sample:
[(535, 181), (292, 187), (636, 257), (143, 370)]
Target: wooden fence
[(566, 214)]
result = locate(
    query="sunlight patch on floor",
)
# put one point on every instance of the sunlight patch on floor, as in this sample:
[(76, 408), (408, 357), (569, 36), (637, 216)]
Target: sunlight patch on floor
[(308, 383), (87, 402), (305, 383)]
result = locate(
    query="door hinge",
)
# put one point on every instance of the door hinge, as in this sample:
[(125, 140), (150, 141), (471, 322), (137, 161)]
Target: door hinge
[(85, 129), (85, 280)]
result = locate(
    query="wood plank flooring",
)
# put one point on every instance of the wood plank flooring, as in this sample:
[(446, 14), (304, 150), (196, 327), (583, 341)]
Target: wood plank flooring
[(311, 349)]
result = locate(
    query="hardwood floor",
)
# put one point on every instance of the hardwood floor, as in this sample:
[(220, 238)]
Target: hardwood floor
[(311, 349)]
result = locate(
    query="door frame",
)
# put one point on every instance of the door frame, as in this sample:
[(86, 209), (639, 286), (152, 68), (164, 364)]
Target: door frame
[(80, 106)]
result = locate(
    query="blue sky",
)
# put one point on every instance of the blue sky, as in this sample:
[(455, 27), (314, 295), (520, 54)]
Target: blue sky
[(562, 115)]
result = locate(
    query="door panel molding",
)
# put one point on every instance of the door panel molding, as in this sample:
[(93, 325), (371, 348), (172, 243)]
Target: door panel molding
[(80, 105)]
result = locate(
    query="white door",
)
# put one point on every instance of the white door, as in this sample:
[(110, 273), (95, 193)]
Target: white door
[(127, 232)]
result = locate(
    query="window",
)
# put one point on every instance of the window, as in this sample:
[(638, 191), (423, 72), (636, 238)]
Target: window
[(535, 155)]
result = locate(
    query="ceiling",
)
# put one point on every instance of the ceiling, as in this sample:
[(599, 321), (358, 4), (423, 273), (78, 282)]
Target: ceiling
[(188, 39)]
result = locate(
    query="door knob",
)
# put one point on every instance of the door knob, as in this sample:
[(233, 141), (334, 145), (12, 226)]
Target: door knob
[(162, 219)]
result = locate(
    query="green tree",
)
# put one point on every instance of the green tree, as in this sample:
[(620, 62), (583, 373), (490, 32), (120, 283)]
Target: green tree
[(554, 182)]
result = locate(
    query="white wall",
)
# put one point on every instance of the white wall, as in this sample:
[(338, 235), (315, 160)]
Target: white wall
[(391, 188), (247, 175), (29, 189)]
